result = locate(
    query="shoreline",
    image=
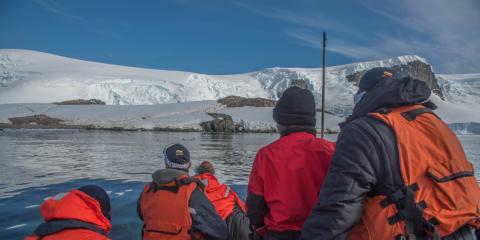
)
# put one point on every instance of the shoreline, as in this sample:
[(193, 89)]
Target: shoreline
[(4, 126), (201, 116)]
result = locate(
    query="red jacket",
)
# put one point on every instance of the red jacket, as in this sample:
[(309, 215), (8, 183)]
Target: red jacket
[(74, 208), (222, 196), (285, 181)]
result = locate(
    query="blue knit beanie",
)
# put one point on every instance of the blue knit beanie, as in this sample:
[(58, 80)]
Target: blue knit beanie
[(371, 77)]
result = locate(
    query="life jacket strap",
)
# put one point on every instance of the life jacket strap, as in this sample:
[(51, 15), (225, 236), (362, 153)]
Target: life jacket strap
[(414, 215), (179, 182), (411, 213), (413, 114), (155, 187), (55, 226), (227, 192), (397, 196), (403, 215), (451, 177)]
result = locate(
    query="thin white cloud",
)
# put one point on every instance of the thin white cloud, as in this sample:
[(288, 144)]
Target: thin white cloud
[(54, 7), (307, 38), (349, 49), (305, 19), (445, 32)]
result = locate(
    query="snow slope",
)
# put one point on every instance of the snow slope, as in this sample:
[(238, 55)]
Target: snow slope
[(461, 89), (462, 101), (30, 76), (36, 77)]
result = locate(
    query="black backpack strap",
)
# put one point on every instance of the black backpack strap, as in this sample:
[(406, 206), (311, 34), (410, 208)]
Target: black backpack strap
[(413, 114), (414, 215), (199, 183), (411, 213), (59, 225)]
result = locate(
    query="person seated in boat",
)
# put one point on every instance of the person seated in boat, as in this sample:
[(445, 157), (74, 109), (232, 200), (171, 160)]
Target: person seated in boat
[(174, 206), (226, 202), (399, 172), (287, 175), (82, 213)]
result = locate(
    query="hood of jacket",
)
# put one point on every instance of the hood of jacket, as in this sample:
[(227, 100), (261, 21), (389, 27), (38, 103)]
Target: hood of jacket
[(210, 181), (164, 176), (389, 93), (75, 205)]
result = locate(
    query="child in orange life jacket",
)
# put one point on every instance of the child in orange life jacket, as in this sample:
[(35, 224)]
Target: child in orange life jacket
[(226, 202), (82, 213), (174, 206)]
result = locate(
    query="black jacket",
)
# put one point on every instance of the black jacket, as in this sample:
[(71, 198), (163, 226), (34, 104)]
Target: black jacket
[(365, 163)]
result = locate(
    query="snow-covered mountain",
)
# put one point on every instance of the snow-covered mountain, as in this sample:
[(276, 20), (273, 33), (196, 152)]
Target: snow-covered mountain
[(29, 76), (463, 89), (36, 77)]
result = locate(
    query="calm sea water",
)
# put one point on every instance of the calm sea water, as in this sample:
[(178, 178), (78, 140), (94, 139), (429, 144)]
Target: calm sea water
[(36, 164)]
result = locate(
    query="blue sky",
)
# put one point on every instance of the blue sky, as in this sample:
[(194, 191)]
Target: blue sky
[(226, 36)]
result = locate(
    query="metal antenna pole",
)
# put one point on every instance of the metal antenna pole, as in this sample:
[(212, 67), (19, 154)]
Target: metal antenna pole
[(323, 82)]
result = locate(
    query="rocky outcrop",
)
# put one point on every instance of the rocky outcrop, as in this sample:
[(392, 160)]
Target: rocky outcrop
[(40, 121), (301, 83), (236, 101), (220, 123), (81, 102), (416, 69)]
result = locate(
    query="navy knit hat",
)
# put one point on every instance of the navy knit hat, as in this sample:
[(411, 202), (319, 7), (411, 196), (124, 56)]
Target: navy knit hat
[(100, 195), (296, 106), (177, 157), (371, 77)]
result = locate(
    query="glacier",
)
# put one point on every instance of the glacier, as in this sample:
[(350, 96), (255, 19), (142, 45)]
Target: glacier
[(35, 77)]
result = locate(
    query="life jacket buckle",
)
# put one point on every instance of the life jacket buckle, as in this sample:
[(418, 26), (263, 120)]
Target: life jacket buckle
[(401, 237)]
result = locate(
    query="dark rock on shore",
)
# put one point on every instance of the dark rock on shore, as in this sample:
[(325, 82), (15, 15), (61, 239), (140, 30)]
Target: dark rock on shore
[(220, 123), (236, 101), (169, 129), (38, 120), (81, 102)]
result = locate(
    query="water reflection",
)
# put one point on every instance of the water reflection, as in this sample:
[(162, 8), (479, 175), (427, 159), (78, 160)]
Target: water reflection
[(38, 158), (20, 215), (37, 164)]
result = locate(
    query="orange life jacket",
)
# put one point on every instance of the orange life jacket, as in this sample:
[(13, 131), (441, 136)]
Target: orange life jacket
[(441, 194), (222, 196), (75, 216), (165, 209)]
